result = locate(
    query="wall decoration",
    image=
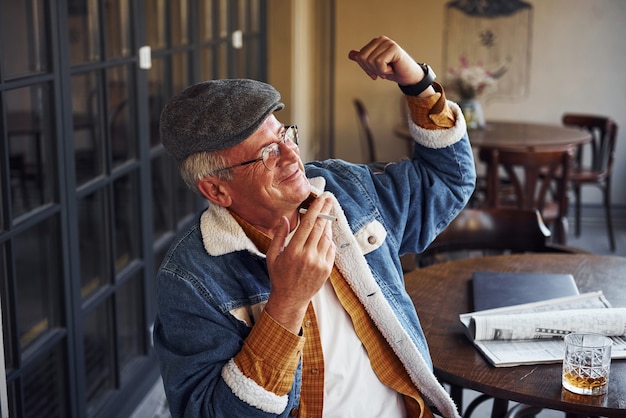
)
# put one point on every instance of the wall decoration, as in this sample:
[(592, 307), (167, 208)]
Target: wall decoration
[(489, 35)]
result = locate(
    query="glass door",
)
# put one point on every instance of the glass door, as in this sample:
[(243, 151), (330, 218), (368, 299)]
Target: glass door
[(89, 201)]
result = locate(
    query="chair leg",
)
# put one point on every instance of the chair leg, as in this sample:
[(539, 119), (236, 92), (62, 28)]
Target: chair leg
[(609, 219), (523, 411), (475, 404), (456, 393), (560, 231), (500, 408), (577, 208)]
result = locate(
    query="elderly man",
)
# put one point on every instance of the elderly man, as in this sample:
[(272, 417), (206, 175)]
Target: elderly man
[(286, 297)]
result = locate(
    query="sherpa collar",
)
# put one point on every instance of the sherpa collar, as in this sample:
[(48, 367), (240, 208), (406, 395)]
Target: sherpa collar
[(222, 234)]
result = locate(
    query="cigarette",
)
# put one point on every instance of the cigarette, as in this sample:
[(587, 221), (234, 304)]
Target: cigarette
[(320, 215)]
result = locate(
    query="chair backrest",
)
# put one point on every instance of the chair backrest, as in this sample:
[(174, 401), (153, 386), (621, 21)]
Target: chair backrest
[(366, 131), (492, 231), (532, 175), (603, 138)]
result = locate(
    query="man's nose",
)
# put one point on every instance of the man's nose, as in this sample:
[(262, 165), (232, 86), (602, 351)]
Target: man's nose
[(288, 151)]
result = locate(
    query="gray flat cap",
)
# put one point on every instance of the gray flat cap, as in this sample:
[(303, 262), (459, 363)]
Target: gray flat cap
[(215, 115)]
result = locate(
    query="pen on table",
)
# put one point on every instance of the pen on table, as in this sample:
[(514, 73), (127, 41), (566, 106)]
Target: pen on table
[(320, 215)]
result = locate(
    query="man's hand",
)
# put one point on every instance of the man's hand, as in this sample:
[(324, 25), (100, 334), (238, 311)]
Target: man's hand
[(383, 58), (298, 270)]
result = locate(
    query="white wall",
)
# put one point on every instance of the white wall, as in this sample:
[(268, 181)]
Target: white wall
[(577, 65)]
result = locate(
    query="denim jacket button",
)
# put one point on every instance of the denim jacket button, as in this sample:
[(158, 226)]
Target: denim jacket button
[(371, 239)]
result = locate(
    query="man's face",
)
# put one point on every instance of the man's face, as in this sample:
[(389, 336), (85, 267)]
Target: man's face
[(257, 191)]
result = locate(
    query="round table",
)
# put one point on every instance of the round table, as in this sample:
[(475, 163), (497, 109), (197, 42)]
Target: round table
[(442, 291), (505, 134), (518, 135)]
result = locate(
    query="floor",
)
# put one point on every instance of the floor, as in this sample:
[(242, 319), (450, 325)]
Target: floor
[(593, 238)]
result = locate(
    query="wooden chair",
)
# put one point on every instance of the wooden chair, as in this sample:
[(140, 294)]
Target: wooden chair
[(366, 131), (477, 232), (535, 179), (596, 168)]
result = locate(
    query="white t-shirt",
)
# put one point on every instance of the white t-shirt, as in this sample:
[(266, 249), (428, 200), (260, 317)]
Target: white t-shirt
[(351, 388)]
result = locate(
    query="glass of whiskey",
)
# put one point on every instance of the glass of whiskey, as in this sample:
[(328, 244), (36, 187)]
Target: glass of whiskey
[(587, 363)]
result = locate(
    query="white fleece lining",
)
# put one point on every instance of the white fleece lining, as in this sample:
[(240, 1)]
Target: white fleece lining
[(250, 392), (352, 265), (222, 234), (440, 138)]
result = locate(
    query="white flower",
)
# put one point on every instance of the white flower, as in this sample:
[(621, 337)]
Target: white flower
[(469, 82)]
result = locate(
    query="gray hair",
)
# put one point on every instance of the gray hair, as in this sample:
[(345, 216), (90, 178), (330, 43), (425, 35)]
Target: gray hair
[(204, 164)]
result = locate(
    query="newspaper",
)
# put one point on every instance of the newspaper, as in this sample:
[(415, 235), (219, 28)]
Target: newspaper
[(533, 333)]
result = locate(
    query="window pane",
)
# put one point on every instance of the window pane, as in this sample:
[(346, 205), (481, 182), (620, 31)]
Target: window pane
[(222, 22), (155, 24), (185, 200), (127, 220), (179, 18), (31, 143), (172, 199), (118, 28), (14, 398), (99, 368), (158, 98), (131, 324), (255, 12), (45, 387), (38, 273), (222, 60), (206, 16), (253, 51), (180, 64), (241, 16), (84, 31), (87, 116), (239, 62), (206, 64), (92, 218), (7, 306), (23, 23), (162, 193), (121, 124)]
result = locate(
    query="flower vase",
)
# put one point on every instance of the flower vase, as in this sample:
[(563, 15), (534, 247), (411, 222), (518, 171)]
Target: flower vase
[(473, 112)]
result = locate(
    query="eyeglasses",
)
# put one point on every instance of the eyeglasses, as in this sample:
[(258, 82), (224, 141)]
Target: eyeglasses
[(269, 155)]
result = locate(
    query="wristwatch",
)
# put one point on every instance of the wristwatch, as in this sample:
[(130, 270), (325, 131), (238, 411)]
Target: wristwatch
[(416, 89)]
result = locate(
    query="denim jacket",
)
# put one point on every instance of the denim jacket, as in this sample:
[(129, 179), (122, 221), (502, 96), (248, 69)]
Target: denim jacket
[(213, 282)]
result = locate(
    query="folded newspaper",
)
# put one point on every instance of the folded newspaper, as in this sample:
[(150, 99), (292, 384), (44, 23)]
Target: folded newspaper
[(533, 333)]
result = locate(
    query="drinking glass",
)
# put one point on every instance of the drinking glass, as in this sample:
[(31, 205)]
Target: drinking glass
[(586, 364)]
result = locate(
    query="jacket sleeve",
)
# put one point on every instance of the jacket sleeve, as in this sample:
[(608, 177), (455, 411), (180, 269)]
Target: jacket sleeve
[(212, 365), (420, 197), (414, 199)]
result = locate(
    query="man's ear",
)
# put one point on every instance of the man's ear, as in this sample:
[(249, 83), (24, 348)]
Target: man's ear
[(213, 191)]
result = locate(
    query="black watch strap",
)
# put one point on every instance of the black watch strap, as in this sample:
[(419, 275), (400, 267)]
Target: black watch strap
[(416, 89)]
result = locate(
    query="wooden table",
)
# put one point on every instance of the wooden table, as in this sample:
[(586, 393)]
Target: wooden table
[(442, 291), (504, 134), (516, 135)]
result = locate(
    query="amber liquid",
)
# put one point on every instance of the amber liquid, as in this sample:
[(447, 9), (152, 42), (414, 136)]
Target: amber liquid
[(586, 385)]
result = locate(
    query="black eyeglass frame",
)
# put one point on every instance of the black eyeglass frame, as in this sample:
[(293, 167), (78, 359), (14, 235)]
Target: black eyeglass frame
[(265, 152)]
